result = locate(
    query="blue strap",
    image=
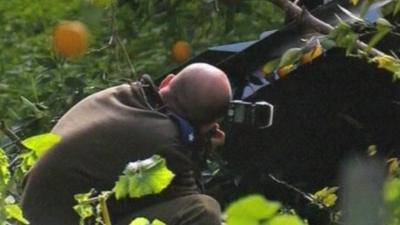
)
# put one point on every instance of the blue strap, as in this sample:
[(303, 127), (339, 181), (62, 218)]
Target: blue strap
[(185, 128)]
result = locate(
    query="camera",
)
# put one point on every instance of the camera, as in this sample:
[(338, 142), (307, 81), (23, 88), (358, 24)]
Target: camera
[(254, 114)]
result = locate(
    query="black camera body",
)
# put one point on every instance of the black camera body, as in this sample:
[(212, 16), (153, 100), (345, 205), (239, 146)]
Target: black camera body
[(255, 114)]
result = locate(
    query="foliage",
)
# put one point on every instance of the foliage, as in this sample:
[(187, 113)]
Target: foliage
[(256, 210), (140, 178), (35, 147), (326, 196), (128, 38), (144, 221), (145, 177)]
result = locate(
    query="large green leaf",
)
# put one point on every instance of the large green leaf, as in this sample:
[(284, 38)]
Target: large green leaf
[(41, 143), (140, 221), (37, 146), (13, 211), (285, 219), (251, 210), (143, 177), (392, 190)]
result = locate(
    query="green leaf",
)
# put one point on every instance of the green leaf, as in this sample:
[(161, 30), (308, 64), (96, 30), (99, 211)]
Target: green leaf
[(251, 210), (383, 27), (270, 66), (291, 56), (157, 222), (41, 143), (396, 9), (344, 36), (140, 221), (4, 172), (84, 207), (285, 219), (144, 221), (392, 190), (143, 177), (121, 187), (13, 211)]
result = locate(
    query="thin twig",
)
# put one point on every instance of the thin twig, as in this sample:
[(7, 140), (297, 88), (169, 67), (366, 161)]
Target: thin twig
[(302, 193), (116, 38), (10, 134)]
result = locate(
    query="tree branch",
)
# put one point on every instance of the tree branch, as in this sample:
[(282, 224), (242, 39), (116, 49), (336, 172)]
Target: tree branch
[(296, 13)]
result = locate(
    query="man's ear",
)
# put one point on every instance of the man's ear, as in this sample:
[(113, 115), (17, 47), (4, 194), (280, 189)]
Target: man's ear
[(166, 81)]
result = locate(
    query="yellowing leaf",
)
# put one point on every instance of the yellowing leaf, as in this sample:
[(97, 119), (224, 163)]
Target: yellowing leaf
[(285, 219), (326, 196), (312, 54), (41, 143), (388, 63), (250, 210), (371, 151), (354, 2), (393, 164), (143, 177)]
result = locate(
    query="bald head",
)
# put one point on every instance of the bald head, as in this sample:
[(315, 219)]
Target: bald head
[(200, 92)]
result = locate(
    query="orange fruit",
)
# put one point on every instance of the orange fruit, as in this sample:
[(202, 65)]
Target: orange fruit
[(181, 50), (285, 70), (70, 39), (312, 54)]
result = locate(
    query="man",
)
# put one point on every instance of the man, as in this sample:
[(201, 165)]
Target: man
[(130, 122)]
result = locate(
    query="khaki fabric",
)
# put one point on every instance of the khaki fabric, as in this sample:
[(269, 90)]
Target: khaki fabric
[(100, 135)]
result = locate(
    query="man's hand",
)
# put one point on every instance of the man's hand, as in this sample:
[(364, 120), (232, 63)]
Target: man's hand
[(214, 133)]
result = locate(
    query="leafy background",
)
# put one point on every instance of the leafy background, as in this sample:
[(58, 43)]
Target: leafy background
[(37, 87)]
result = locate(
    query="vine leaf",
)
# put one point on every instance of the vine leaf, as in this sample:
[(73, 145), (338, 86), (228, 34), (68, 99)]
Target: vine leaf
[(144, 221), (41, 143), (284, 219), (38, 145), (143, 177), (251, 210), (13, 211), (84, 207)]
